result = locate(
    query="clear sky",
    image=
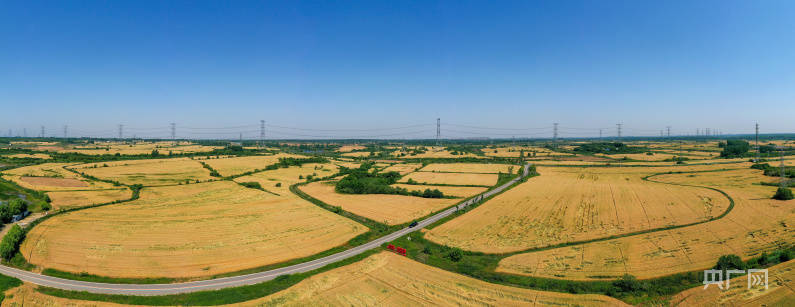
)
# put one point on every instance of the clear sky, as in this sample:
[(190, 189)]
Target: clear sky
[(385, 64)]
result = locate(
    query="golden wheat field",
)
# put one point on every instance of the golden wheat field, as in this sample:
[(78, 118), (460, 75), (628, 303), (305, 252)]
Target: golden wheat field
[(31, 156), (358, 154), (485, 180), (780, 293), (756, 224), (387, 279), (349, 148), (388, 209), (128, 148), (187, 231), (447, 190), (52, 177), (72, 199), (485, 168), (432, 152), (567, 204), (239, 165), (285, 177), (148, 172), (403, 168)]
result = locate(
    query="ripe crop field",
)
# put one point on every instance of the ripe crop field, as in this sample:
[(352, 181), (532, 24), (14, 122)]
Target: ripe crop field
[(33, 156), (187, 231), (358, 154), (138, 148), (756, 224), (388, 279), (388, 209), (286, 177), (403, 168), (150, 172), (71, 199), (486, 180), (447, 190), (567, 204), (470, 168), (780, 293), (349, 148), (52, 177), (239, 165), (432, 152)]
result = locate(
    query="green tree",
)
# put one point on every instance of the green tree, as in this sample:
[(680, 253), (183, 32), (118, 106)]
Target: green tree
[(783, 194)]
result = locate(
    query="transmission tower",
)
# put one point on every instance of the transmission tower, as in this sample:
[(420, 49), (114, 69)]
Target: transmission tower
[(618, 126), (707, 132), (121, 127), (438, 130), (24, 132), (64, 131), (600, 133), (757, 142), (555, 132), (669, 130), (173, 132), (261, 133), (42, 131)]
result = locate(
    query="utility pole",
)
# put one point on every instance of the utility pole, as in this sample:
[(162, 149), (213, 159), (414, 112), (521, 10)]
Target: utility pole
[(757, 142), (173, 132), (121, 127), (64, 131), (555, 132), (262, 133), (619, 130), (438, 129), (669, 130)]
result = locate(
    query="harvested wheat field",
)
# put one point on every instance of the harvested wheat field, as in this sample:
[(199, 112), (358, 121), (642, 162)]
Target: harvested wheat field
[(403, 168), (387, 279), (187, 231), (780, 293), (29, 156), (384, 208), (239, 165), (285, 177), (149, 172), (485, 180), (72, 199), (567, 204), (349, 148), (26, 295), (484, 168), (756, 224), (52, 177), (447, 190)]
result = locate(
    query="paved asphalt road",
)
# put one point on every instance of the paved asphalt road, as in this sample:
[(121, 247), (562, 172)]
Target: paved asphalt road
[(235, 281)]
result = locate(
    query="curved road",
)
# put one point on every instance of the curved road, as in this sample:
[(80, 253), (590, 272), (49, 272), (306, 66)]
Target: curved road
[(234, 281)]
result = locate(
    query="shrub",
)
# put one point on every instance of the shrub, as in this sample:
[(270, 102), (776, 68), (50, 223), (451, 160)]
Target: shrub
[(10, 243), (730, 262), (455, 255), (783, 194), (252, 185)]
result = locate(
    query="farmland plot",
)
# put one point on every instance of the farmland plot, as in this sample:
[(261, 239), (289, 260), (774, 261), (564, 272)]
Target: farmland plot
[(388, 209), (470, 168), (403, 168), (447, 190), (71, 199), (781, 282), (52, 177), (239, 165), (285, 177), (567, 204), (386, 279), (756, 224), (149, 172), (187, 231), (485, 180), (31, 156)]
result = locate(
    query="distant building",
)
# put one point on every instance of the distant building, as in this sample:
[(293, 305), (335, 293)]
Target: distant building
[(19, 217)]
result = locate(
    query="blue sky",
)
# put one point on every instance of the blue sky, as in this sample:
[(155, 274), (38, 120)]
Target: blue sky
[(384, 64)]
